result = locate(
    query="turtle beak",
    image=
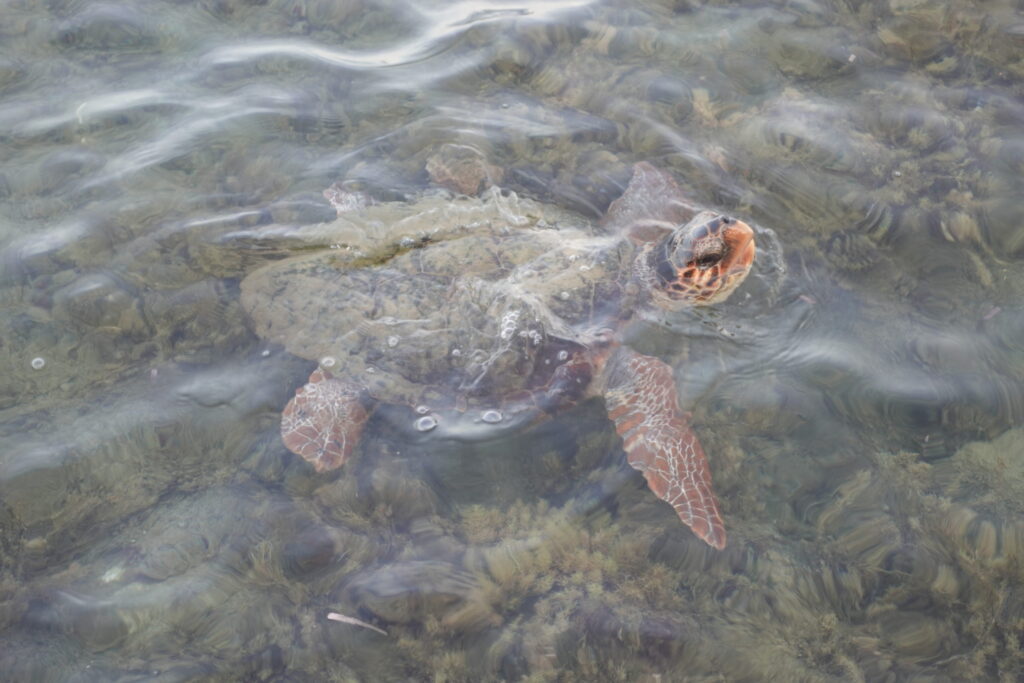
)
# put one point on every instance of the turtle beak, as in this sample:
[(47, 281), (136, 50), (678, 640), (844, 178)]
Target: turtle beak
[(739, 238)]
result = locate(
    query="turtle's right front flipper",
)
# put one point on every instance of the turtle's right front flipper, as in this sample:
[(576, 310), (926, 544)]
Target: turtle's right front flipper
[(641, 397), (324, 420)]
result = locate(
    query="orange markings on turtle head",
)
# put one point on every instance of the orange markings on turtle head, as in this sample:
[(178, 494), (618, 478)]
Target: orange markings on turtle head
[(704, 261)]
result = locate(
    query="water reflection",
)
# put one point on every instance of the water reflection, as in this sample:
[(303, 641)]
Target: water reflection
[(860, 399)]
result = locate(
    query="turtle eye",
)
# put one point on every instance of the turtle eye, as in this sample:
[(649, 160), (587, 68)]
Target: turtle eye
[(708, 253), (708, 260)]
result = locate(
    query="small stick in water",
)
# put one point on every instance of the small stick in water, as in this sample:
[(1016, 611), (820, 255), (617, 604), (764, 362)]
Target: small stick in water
[(334, 616)]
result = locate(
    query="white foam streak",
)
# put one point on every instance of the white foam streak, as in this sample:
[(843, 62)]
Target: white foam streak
[(439, 23)]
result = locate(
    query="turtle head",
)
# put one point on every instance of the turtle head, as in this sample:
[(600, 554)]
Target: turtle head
[(701, 262)]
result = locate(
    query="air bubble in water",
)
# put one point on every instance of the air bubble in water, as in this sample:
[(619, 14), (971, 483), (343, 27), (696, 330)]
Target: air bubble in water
[(393, 341), (426, 423), (509, 322), (328, 362), (38, 363), (491, 416), (563, 355), (422, 410)]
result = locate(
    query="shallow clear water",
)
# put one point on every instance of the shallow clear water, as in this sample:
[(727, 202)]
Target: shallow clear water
[(860, 398)]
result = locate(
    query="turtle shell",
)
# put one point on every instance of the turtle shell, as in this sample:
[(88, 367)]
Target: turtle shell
[(482, 304)]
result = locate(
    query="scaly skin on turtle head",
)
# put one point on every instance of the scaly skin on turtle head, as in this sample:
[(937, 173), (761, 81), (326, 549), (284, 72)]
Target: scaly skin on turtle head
[(700, 263)]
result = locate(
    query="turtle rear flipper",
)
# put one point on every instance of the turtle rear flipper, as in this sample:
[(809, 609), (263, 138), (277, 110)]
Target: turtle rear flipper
[(324, 420), (641, 399)]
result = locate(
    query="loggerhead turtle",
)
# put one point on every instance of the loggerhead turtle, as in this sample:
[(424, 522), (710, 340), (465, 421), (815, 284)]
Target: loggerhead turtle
[(500, 316)]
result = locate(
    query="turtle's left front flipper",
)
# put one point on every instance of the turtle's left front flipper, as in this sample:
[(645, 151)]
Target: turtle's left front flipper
[(641, 397)]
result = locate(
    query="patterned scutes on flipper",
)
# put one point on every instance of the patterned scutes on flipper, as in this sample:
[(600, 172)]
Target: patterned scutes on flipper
[(323, 421), (641, 399)]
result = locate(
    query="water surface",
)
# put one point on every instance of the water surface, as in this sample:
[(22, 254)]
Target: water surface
[(860, 397)]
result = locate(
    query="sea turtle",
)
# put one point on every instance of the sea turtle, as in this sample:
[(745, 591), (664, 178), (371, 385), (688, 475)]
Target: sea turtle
[(493, 312)]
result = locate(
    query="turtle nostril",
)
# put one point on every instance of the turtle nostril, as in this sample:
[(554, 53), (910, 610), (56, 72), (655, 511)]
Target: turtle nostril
[(727, 220)]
